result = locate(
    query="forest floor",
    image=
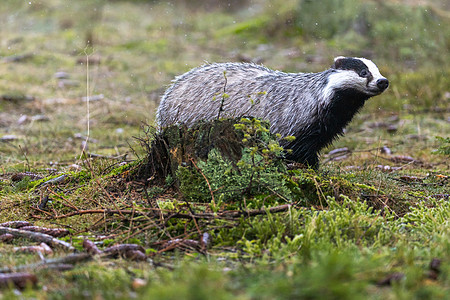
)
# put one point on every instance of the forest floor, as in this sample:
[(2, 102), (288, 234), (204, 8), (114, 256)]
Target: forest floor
[(371, 223)]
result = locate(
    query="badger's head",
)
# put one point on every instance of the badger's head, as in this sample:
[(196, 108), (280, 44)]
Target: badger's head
[(359, 75)]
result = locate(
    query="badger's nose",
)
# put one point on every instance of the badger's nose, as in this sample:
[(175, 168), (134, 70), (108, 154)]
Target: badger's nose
[(382, 84)]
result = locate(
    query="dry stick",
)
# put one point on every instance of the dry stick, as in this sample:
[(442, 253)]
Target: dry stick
[(195, 222), (185, 235), (109, 197), (223, 95), (193, 219), (37, 237), (87, 104), (167, 216), (255, 212), (88, 125), (90, 228), (275, 192), (387, 206), (26, 158), (232, 214), (207, 181), (43, 211), (62, 198), (131, 223), (319, 192), (19, 280), (153, 224), (69, 259), (181, 242), (88, 211)]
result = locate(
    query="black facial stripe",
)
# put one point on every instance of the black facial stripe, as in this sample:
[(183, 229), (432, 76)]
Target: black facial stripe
[(348, 63)]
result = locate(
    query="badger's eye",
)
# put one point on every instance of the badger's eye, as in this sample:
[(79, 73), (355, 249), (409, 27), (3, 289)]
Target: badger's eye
[(364, 73)]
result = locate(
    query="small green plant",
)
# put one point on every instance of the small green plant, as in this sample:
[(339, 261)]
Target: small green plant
[(444, 147), (259, 171)]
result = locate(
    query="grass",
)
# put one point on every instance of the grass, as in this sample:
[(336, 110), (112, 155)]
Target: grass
[(355, 222)]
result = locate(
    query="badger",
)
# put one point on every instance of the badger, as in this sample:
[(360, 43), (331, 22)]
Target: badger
[(312, 107)]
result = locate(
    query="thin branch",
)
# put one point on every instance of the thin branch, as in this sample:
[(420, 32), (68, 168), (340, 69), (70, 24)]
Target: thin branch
[(166, 216), (207, 182), (224, 95), (90, 211), (70, 204), (69, 259), (37, 237), (232, 214)]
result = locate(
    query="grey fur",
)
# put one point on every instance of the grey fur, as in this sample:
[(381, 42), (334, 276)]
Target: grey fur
[(298, 104)]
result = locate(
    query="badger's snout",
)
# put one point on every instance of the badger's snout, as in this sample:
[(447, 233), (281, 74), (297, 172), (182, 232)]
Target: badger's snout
[(382, 84)]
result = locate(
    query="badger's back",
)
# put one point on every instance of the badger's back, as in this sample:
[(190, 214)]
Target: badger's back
[(284, 99)]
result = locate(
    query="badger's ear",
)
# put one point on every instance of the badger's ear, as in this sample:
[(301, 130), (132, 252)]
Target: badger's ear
[(337, 62)]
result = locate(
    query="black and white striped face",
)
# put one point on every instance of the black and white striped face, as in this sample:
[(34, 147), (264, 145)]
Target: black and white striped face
[(358, 74)]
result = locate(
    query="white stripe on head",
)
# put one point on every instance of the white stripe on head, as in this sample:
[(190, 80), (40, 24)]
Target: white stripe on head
[(372, 68)]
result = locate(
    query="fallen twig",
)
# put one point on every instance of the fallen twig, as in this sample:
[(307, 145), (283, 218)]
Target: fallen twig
[(135, 255), (20, 176), (232, 214), (56, 180), (122, 249), (391, 278), (19, 280), (88, 211), (6, 238), (206, 179), (205, 241), (90, 247), (55, 232), (180, 243), (69, 259), (17, 57), (68, 203), (42, 248), (16, 224), (128, 251), (37, 237), (228, 214)]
